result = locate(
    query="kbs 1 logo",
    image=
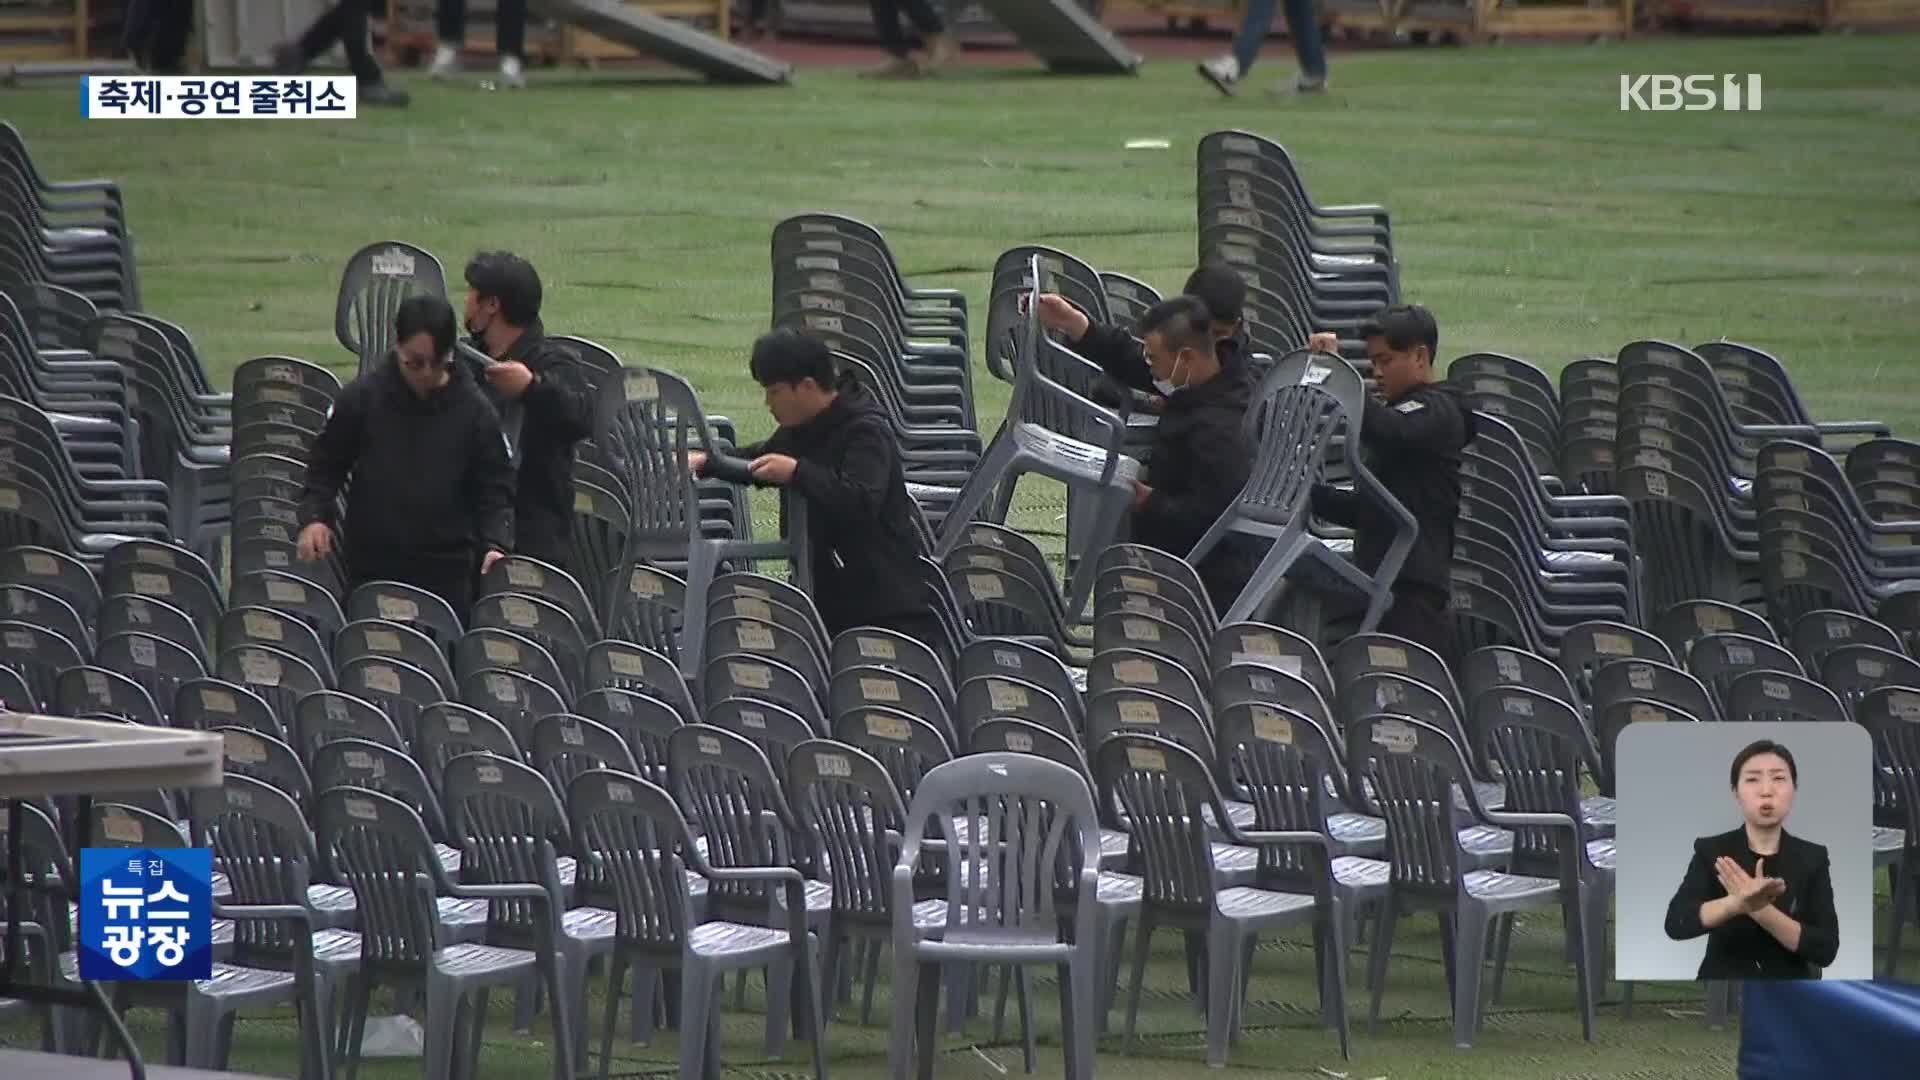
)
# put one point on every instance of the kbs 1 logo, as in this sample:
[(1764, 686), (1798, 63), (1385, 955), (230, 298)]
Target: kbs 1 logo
[(1689, 93)]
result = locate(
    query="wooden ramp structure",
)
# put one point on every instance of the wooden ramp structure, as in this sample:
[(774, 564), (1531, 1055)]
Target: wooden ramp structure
[(666, 39)]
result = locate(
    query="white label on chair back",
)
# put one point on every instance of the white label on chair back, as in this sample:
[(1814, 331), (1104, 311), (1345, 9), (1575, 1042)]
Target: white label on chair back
[(1398, 738), (1838, 629), (1241, 164), (880, 690), (751, 676), (624, 663), (985, 587), (1142, 757), (748, 608), (816, 302), (833, 764), (818, 262), (151, 584), (1462, 601), (619, 792), (381, 678), (393, 262), (1515, 705), (1613, 644), (97, 686), (1237, 218), (385, 641), (284, 397), (1136, 583), (525, 574), (752, 590), (501, 652), (1139, 712), (829, 323), (876, 648), (986, 562), (1387, 656), (1020, 742), (1386, 693), (1470, 576), (396, 608), (1007, 658), (1870, 668), (262, 627), (1896, 476), (489, 774), (1137, 672), (1140, 605), (334, 707), (360, 759), (286, 592), (1270, 726), (572, 735), (1712, 620), (1004, 696), (754, 636), (1491, 384), (986, 538), (21, 604), (583, 502), (40, 565), (754, 719), (364, 809), (1792, 502), (241, 746), (1904, 705), (1739, 655), (1239, 144), (290, 439), (1653, 459), (503, 689), (1261, 684), (459, 724), (1316, 374), (155, 557), (1899, 540), (280, 373), (1508, 666), (141, 649), (138, 611), (120, 827), (1659, 440), (891, 728), (1657, 485), (1641, 714), (709, 745), (826, 281), (9, 499), (642, 387), (1140, 630), (1792, 567), (278, 532), (1792, 459), (1776, 690), (620, 704)]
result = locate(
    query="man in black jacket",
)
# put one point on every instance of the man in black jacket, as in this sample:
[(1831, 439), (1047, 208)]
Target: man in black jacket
[(1201, 455), (431, 498), (1217, 285), (836, 449), (537, 383), (1412, 440)]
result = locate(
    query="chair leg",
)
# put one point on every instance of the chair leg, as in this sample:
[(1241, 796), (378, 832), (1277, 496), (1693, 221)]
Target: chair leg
[(1502, 945), (834, 948), (1142, 942), (443, 1008), (1469, 960), (1905, 893), (1079, 976), (1223, 985), (1336, 981), (1377, 964), (1024, 988), (1107, 977), (616, 977), (872, 976), (202, 1016), (1586, 955), (469, 1063), (698, 987), (906, 985), (780, 977), (927, 1018)]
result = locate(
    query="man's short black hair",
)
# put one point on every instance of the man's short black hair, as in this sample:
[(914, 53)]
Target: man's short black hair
[(1221, 288), (1404, 326), (1184, 322), (431, 314), (510, 279), (1754, 750), (787, 356)]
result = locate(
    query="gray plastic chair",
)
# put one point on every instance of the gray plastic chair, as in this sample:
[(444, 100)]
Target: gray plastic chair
[(328, 715), (279, 677), (377, 278), (398, 602), (1022, 660), (1892, 716), (517, 701), (1854, 671), (95, 690), (1030, 812), (158, 665), (1646, 680), (1817, 633), (1587, 647), (634, 830), (380, 848), (377, 767), (646, 606), (125, 613), (486, 647), (277, 630), (1718, 659), (872, 646), (25, 603), (763, 679), (564, 746), (205, 704), (1412, 769), (1683, 623), (990, 697), (38, 656), (541, 621), (1781, 697), (1054, 431), (862, 686), (644, 723), (521, 574), (1308, 404), (621, 665), (393, 641), (396, 688), (258, 756), (1271, 646), (448, 729), (1496, 666), (775, 730)]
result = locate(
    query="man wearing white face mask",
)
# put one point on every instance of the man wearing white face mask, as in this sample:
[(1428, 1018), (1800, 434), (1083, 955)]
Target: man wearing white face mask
[(1201, 455)]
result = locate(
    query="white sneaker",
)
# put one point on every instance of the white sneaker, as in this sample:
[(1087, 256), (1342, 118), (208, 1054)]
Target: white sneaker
[(446, 61), (512, 74), (1222, 72)]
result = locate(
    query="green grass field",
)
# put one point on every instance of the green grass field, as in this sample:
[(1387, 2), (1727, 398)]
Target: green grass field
[(1530, 214)]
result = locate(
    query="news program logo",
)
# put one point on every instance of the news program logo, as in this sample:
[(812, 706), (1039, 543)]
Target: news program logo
[(146, 914), (1689, 93)]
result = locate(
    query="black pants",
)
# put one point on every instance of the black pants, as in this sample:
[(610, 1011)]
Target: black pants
[(509, 25), (1421, 614), (886, 19), (157, 32), (346, 23)]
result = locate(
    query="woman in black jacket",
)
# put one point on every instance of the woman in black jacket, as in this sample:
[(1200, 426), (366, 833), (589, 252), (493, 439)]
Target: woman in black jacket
[(1763, 898)]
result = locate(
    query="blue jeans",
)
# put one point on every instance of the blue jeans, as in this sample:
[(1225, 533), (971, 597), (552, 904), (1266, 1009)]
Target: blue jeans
[(1301, 25)]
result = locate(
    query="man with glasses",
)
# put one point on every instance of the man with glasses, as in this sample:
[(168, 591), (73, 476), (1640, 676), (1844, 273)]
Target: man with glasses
[(430, 503)]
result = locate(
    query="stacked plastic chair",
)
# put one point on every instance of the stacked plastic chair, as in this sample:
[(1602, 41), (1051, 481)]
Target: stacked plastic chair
[(1308, 267), (1589, 423), (68, 233), (1885, 473), (1819, 548)]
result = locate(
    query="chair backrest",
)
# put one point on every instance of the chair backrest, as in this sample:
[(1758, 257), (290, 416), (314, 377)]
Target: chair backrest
[(278, 630), (1011, 735), (765, 679), (291, 594), (729, 786), (205, 704), (1021, 660), (854, 816), (122, 825), (1364, 653), (768, 640), (1611, 717), (96, 691), (1242, 683), (262, 843), (1282, 761), (529, 576), (541, 621), (988, 697), (646, 421), (123, 613), (1124, 709), (377, 278), (772, 728), (905, 745), (1541, 746), (1854, 671), (620, 665), (1150, 570), (1652, 681), (646, 608), (1891, 715), (645, 723), (517, 701), (490, 647), (448, 729), (1684, 623), (330, 715), (1272, 646), (564, 746), (861, 687), (1498, 665), (380, 848), (1817, 634), (369, 765), (396, 688), (1718, 659), (880, 648), (1781, 696), (27, 604), (1161, 637), (1410, 770), (1134, 669), (1027, 813), (504, 817), (158, 665), (636, 838), (1166, 793), (395, 601), (1383, 692), (54, 571), (1587, 646), (380, 639)]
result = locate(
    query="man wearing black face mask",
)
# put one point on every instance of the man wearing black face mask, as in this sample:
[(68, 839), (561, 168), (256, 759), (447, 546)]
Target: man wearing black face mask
[(1201, 455), (431, 498), (538, 385)]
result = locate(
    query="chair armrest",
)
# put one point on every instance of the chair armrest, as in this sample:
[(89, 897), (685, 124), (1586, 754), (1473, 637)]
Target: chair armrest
[(751, 873), (1517, 820), (1854, 427), (524, 891)]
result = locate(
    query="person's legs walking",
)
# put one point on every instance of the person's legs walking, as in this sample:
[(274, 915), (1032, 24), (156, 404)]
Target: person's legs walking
[(942, 47), (510, 40), (450, 27), (1303, 25), (1224, 71)]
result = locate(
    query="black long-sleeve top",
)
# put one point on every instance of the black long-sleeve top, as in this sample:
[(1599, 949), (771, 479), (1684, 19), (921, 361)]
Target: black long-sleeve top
[(1741, 948)]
